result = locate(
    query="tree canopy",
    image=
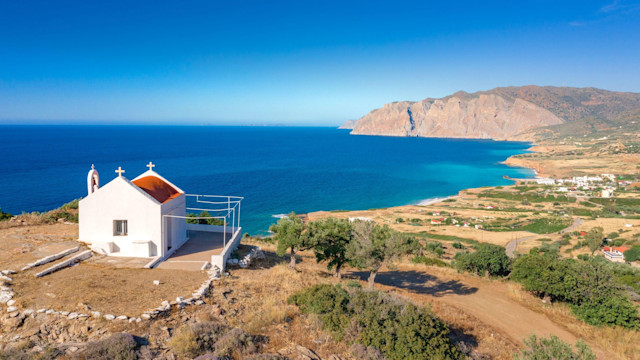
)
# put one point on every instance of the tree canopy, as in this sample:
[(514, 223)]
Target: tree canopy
[(487, 259), (289, 233), (373, 245), (329, 239)]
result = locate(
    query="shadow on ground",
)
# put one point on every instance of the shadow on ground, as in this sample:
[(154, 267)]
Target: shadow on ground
[(420, 283)]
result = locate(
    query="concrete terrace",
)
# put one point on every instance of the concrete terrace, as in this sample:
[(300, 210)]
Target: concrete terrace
[(196, 251)]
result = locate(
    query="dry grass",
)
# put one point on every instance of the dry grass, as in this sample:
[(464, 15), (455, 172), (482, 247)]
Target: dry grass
[(117, 291), (619, 341), (260, 302)]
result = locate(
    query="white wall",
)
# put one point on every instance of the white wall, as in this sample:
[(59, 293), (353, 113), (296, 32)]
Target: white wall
[(120, 200), (178, 235)]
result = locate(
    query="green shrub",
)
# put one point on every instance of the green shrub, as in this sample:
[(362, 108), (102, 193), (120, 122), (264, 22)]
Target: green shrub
[(428, 261), (589, 286), (435, 247), (613, 235), (119, 346), (327, 301), (71, 205), (458, 245), (378, 321), (203, 214), (4, 215), (614, 310), (554, 348), (632, 254), (488, 258)]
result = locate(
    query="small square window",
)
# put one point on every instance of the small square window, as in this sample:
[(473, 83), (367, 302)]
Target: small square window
[(120, 227)]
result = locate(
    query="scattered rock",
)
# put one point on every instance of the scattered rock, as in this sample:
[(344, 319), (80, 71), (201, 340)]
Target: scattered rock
[(109, 317), (11, 302), (12, 309), (307, 352), (122, 317)]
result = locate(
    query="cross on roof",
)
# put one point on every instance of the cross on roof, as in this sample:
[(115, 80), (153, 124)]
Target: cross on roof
[(151, 165), (119, 171), (93, 167)]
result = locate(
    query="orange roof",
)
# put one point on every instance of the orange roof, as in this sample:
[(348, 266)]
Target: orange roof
[(635, 184), (622, 249), (157, 188)]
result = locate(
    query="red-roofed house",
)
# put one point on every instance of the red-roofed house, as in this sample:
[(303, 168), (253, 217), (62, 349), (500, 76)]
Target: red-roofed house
[(147, 217), (614, 253)]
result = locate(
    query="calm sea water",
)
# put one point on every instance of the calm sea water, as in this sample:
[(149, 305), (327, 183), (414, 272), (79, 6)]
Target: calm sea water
[(276, 169)]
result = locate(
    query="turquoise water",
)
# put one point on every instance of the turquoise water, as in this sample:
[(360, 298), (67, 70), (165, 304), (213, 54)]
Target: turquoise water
[(276, 169)]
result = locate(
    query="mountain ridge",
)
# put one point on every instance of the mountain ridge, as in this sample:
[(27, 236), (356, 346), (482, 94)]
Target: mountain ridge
[(502, 113)]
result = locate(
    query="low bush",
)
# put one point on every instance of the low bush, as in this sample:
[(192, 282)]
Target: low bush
[(593, 291), (4, 215), (206, 221), (119, 346), (487, 259), (378, 321), (197, 339), (236, 343), (435, 248), (428, 261), (554, 348), (632, 254), (458, 245)]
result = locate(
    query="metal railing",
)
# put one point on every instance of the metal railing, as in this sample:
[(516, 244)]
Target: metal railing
[(224, 208)]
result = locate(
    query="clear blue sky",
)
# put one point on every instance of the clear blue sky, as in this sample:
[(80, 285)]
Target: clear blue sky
[(296, 62)]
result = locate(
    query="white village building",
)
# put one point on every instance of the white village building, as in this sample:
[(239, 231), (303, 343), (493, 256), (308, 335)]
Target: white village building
[(147, 217)]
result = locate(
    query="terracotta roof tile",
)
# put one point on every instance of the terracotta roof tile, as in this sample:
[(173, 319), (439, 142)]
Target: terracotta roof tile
[(157, 188)]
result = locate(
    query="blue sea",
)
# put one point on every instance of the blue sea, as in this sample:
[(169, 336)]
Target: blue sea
[(276, 169)]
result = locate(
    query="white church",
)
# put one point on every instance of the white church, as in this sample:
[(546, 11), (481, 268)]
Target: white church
[(147, 216)]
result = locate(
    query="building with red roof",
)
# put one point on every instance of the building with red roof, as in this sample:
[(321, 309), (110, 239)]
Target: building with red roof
[(147, 217), (614, 253)]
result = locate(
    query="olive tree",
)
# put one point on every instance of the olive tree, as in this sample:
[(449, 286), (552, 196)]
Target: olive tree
[(329, 239), (373, 245), (290, 234), (594, 239)]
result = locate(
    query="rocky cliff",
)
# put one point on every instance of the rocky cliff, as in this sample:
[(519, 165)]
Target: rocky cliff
[(349, 124), (501, 113)]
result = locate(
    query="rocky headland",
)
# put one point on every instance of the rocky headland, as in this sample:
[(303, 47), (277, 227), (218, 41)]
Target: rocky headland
[(508, 113)]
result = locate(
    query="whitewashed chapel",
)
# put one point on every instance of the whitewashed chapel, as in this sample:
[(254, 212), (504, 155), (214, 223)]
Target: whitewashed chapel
[(146, 216)]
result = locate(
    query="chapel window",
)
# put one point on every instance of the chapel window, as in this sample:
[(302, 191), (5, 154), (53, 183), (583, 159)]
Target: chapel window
[(120, 227)]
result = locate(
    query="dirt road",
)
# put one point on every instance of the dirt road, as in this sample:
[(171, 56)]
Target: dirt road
[(488, 301)]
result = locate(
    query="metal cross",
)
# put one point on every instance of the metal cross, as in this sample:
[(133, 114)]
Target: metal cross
[(150, 165), (119, 171)]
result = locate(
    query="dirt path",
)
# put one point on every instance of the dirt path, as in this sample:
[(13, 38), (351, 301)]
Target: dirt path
[(488, 301), (511, 246)]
